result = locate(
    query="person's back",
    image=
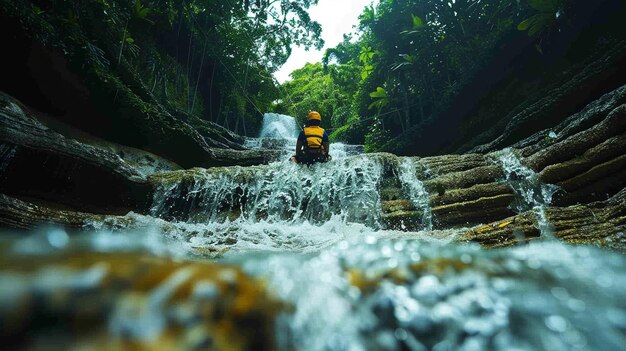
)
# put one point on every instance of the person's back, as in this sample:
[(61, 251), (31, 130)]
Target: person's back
[(313, 144)]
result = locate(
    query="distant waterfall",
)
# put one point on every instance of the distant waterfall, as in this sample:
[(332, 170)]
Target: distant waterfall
[(278, 126)]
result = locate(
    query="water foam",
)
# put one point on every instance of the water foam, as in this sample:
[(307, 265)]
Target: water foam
[(279, 192)]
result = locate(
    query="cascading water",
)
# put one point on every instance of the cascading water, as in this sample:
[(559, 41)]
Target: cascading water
[(531, 193), (415, 191), (341, 150), (278, 206), (277, 192), (281, 132), (278, 132)]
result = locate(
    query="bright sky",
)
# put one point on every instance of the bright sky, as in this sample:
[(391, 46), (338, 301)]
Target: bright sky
[(337, 17)]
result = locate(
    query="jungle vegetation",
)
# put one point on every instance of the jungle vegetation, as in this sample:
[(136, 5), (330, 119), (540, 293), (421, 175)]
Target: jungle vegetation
[(409, 60), (406, 65)]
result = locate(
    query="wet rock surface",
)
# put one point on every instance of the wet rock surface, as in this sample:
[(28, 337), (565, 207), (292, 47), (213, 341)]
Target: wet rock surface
[(583, 162), (22, 215), (601, 223)]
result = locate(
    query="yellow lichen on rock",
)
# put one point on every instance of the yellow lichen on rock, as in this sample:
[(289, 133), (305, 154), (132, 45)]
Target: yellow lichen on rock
[(139, 301)]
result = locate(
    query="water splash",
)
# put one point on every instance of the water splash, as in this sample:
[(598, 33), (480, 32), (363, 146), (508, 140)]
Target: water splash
[(531, 193), (414, 188), (341, 150), (365, 293), (139, 234), (405, 294)]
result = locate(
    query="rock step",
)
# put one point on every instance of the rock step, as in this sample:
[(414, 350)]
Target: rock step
[(601, 223)]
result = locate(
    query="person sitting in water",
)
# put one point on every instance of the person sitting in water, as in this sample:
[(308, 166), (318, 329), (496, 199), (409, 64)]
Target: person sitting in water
[(312, 145)]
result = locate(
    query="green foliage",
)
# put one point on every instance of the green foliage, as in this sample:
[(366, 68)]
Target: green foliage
[(311, 89), (381, 95), (548, 11), (411, 59), (417, 22), (141, 11)]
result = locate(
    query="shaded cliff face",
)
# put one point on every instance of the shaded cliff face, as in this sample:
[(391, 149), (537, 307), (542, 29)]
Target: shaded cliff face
[(523, 90)]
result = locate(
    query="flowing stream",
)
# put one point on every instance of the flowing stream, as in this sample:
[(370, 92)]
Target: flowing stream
[(314, 235)]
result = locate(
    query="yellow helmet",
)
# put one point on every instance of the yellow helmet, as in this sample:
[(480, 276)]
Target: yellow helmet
[(313, 115)]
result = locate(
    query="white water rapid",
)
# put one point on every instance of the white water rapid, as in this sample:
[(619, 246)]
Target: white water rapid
[(415, 190)]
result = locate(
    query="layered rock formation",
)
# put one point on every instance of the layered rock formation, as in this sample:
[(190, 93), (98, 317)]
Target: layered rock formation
[(583, 156)]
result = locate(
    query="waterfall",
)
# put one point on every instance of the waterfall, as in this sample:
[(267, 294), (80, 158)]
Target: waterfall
[(281, 132), (277, 206), (531, 193), (341, 150), (275, 193), (278, 132), (310, 237)]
